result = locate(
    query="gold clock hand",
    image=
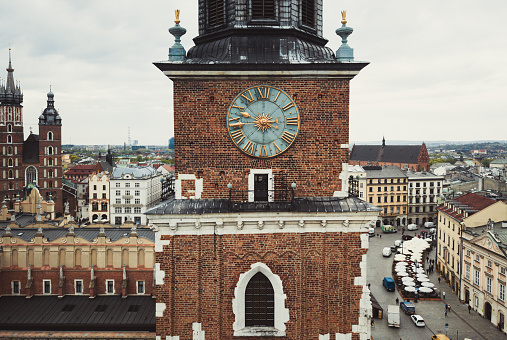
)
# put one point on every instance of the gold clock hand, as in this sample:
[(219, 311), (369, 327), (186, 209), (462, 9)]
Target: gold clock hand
[(238, 124), (246, 114)]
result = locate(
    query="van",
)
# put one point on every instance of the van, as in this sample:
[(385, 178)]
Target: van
[(428, 225), (388, 283), (412, 227), (371, 233), (386, 252), (407, 308)]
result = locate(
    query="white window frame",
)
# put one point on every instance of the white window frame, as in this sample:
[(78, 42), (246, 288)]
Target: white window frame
[(251, 183), (76, 285), (143, 287), (477, 277), (467, 271), (489, 284), (13, 284), (108, 281), (44, 287), (501, 292), (238, 304)]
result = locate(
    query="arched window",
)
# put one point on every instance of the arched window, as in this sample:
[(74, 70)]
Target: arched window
[(9, 150), (10, 162), (50, 173), (9, 139), (50, 150), (9, 128), (259, 302), (11, 174), (263, 9), (50, 161), (50, 135), (31, 175), (104, 206)]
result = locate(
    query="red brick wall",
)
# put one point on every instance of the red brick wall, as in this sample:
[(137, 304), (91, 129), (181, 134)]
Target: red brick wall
[(203, 146), (56, 157), (317, 271)]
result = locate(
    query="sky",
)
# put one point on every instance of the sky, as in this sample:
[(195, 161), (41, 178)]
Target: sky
[(438, 69)]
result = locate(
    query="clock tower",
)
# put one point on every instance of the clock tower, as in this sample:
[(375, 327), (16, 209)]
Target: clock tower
[(262, 239)]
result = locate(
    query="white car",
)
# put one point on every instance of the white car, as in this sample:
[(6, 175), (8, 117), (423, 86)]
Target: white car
[(386, 252), (418, 320), (398, 243), (412, 227)]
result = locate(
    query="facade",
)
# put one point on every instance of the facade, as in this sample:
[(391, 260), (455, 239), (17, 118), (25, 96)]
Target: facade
[(99, 196), (424, 191), (34, 161), (133, 191), (470, 210), (359, 174), (484, 264), (408, 157), (261, 239), (387, 188)]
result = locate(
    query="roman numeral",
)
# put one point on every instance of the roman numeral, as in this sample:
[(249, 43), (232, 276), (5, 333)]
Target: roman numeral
[(292, 121), (288, 137), (249, 147), (288, 106), (237, 136), (276, 146), (263, 152), (233, 119), (263, 94), (238, 107), (277, 95), (246, 96)]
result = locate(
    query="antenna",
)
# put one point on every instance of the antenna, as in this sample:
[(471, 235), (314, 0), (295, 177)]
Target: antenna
[(129, 142)]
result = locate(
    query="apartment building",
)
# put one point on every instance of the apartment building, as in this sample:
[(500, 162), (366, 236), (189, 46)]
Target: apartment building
[(424, 190)]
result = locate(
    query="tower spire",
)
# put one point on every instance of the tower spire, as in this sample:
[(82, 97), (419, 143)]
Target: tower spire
[(9, 92)]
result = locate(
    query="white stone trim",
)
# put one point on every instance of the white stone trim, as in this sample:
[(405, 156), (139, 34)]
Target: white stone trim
[(344, 177), (345, 146), (340, 336), (238, 304), (159, 309), (199, 183), (324, 337), (176, 337), (159, 275), (251, 183), (197, 332), (365, 309), (312, 74)]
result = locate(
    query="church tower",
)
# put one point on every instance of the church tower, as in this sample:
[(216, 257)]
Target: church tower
[(50, 152), (262, 239), (11, 139)]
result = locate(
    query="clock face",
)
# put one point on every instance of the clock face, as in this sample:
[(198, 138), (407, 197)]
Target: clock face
[(263, 121)]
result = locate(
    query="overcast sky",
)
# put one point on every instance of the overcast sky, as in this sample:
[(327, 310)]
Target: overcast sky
[(438, 68)]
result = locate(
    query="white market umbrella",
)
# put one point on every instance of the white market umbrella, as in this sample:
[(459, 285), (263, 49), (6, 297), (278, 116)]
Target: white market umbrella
[(425, 290), (411, 279), (427, 284), (402, 274), (410, 289), (401, 260), (423, 279), (420, 270), (421, 275), (408, 283)]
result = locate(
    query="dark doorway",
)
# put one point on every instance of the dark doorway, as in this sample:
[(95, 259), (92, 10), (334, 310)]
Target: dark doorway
[(501, 321), (487, 311), (261, 187), (467, 297)]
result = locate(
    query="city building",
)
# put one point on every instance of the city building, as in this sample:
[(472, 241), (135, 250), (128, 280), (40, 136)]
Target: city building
[(36, 160), (424, 191), (98, 187), (387, 188), (470, 211), (358, 173), (133, 190), (261, 239), (484, 263), (409, 157)]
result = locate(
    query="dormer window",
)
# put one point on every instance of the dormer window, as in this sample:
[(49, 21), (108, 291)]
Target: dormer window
[(263, 9)]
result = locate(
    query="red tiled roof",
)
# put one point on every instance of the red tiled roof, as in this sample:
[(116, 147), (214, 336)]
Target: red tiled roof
[(474, 201), (81, 169)]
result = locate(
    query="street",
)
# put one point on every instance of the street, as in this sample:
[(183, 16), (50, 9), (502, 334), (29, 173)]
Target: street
[(461, 324)]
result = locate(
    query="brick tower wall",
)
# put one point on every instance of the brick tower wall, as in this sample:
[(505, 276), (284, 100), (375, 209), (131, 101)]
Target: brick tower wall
[(57, 167), (314, 162)]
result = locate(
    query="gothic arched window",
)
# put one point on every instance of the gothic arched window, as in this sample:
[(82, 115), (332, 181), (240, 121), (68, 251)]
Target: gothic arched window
[(9, 128), (50, 150), (9, 150), (50, 135), (263, 9), (9, 139), (30, 175), (259, 302), (50, 161)]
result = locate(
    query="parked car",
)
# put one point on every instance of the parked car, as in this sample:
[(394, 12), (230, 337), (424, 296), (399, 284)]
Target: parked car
[(371, 232), (398, 243), (417, 320), (440, 337), (386, 252), (388, 283), (412, 227), (407, 308), (407, 237), (429, 224)]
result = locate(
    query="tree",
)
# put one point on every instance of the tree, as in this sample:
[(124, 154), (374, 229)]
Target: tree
[(486, 162)]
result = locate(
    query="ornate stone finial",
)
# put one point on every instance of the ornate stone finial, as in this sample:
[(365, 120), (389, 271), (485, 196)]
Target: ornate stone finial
[(134, 228), (39, 230), (177, 51), (66, 204), (8, 230), (102, 230), (71, 228), (345, 52), (344, 17), (13, 218)]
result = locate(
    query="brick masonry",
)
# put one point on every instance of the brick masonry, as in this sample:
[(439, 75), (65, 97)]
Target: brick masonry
[(317, 271), (314, 161)]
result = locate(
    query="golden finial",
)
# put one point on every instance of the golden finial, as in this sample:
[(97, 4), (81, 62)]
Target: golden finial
[(344, 19), (177, 14)]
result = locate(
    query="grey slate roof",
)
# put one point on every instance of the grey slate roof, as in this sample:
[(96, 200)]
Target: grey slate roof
[(388, 153), (136, 172), (26, 234), (218, 206), (386, 171), (77, 313)]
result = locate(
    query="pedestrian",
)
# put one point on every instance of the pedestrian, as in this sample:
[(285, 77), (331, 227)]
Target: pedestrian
[(469, 308), (397, 301), (372, 323), (369, 284), (380, 235), (449, 307), (439, 279), (446, 306), (445, 313), (443, 295)]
